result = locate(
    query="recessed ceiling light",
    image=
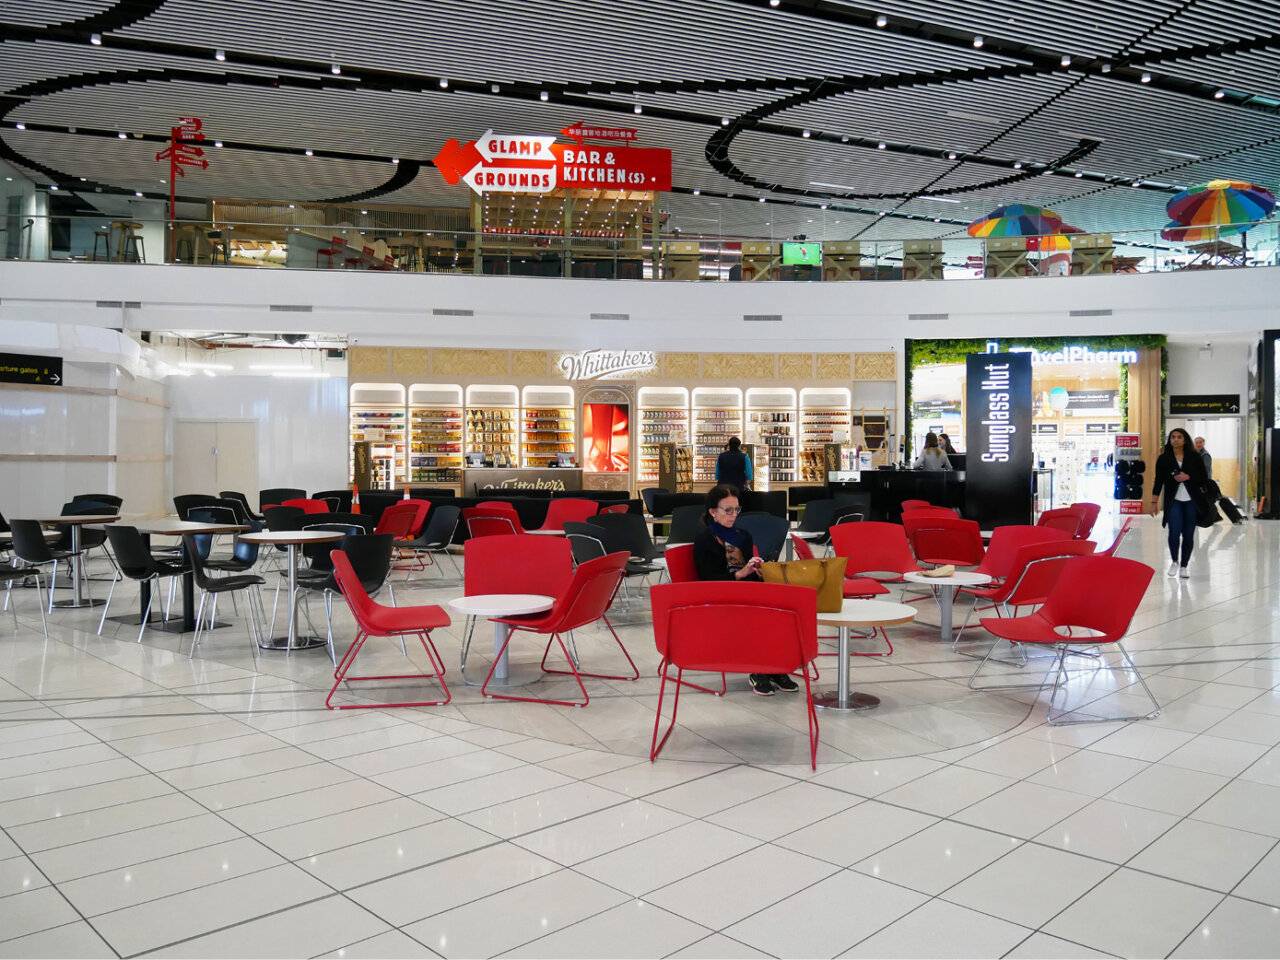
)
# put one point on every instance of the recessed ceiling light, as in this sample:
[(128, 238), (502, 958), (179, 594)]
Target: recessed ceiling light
[(218, 144), (364, 212), (724, 121), (806, 134), (1018, 165), (951, 155), (977, 43), (395, 159), (544, 96), (697, 193), (122, 135), (310, 153), (137, 193), (1146, 77), (774, 3), (639, 109), (762, 199), (880, 145), (494, 88), (882, 20), (1106, 68), (1079, 174), (937, 219), (53, 186), (336, 70), (23, 126), (1219, 94), (95, 39), (1066, 60), (444, 83)]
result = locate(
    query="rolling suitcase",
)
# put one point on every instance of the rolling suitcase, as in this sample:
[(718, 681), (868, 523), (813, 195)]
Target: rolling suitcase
[(1230, 510)]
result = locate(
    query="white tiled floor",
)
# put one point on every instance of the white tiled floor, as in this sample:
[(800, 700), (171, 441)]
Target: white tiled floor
[(153, 804)]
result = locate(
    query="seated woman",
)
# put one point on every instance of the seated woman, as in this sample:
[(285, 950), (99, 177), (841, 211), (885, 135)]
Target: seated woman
[(723, 552), (932, 457)]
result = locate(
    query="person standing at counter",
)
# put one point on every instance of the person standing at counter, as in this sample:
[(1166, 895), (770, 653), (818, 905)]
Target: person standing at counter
[(733, 467), (1179, 473), (945, 443), (724, 552), (932, 457)]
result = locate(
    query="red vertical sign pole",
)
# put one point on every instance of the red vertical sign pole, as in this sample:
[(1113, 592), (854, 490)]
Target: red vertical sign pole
[(181, 152)]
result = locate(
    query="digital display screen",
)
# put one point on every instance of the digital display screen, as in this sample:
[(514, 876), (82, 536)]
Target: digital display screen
[(796, 254)]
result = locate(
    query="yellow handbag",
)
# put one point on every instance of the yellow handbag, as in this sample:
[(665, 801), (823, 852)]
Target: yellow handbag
[(825, 575)]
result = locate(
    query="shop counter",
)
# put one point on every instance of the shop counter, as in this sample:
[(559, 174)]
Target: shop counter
[(479, 481), (888, 488)]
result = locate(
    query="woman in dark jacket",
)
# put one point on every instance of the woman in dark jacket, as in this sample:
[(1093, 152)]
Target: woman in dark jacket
[(724, 552), (1179, 473)]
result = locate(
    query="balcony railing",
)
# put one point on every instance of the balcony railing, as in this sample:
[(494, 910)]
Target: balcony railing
[(674, 256)]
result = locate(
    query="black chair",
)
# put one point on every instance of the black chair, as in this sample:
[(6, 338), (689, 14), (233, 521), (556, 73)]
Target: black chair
[(184, 503), (237, 495), (232, 508), (107, 499), (370, 556), (365, 523), (629, 532), (243, 557), (284, 519), (135, 561), (215, 587), (819, 515), (339, 500), (33, 551), (686, 523), (435, 538), (768, 532), (274, 496), (648, 494), (319, 565), (586, 541), (30, 547)]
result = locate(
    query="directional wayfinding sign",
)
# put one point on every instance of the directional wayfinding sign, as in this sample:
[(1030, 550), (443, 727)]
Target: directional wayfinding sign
[(21, 368), (502, 163)]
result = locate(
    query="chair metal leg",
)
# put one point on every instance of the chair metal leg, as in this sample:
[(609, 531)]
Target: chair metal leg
[(107, 606), (195, 637), (146, 614), (1062, 677), (466, 643)]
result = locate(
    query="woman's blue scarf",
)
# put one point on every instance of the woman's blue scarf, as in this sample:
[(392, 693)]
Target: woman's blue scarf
[(730, 535)]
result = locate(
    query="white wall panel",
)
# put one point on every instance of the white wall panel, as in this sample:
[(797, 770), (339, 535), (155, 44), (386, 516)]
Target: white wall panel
[(302, 423)]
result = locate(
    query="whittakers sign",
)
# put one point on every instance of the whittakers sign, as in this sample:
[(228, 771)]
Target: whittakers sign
[(605, 364)]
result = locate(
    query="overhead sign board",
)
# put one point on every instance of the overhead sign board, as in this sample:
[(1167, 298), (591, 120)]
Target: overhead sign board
[(510, 163), (1203, 404), (23, 368), (605, 364)]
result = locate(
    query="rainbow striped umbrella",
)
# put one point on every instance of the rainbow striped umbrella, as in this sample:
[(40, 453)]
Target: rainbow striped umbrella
[(1054, 241), (1181, 233), (1017, 220), (1221, 202)]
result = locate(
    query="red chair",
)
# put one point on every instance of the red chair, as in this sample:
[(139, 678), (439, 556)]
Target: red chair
[(375, 620), (877, 550), (1097, 594), (571, 509), (1115, 544), (500, 508), (734, 628), (481, 523), (308, 505), (1089, 517), (1063, 518), (854, 588), (513, 563), (1032, 574), (585, 600), (680, 568), (1004, 545), (928, 511), (914, 504), (616, 508), (943, 540), (399, 520)]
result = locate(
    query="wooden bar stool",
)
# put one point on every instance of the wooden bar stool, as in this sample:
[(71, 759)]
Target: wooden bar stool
[(128, 243), (105, 237)]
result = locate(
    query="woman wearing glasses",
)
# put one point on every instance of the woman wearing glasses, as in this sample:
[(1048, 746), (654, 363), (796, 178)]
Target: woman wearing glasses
[(724, 552)]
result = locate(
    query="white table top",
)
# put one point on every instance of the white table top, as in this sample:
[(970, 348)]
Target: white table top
[(868, 613), (80, 520), (501, 604), (292, 536), (807, 534), (961, 578), (174, 527), (668, 546), (546, 533)]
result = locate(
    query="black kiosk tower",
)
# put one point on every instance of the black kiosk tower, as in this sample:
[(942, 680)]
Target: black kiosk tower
[(998, 432)]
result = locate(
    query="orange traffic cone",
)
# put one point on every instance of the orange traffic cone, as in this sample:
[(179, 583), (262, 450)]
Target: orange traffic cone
[(355, 498), (406, 491)]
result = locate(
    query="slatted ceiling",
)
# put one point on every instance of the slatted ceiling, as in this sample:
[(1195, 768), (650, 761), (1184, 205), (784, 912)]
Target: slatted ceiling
[(1257, 72), (552, 40), (922, 115), (43, 13), (1216, 21)]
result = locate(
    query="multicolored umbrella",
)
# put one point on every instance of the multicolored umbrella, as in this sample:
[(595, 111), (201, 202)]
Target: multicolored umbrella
[(1221, 202), (1053, 242), (1181, 233), (1017, 220)]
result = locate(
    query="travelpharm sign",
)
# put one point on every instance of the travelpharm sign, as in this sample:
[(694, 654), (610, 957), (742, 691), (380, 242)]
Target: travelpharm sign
[(1070, 353), (519, 163), (605, 364)]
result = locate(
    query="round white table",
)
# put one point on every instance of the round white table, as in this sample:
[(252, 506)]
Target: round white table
[(946, 591), (546, 533), (856, 613), (494, 605), (292, 539)]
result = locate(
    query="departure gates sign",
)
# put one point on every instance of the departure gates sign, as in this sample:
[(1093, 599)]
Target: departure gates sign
[(500, 163)]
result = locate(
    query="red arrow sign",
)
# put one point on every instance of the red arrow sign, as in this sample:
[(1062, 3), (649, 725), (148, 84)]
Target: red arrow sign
[(454, 160), (581, 131)]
